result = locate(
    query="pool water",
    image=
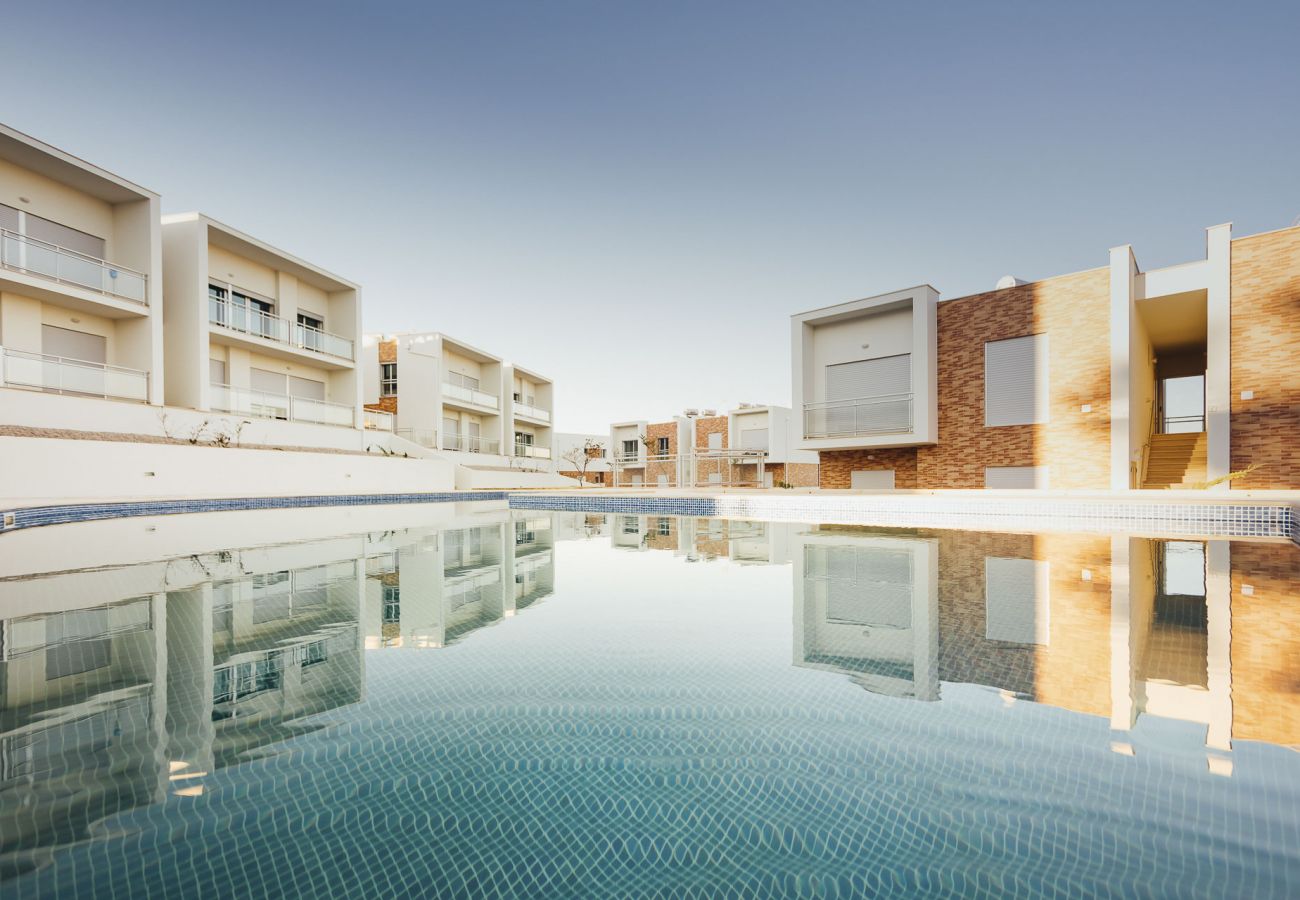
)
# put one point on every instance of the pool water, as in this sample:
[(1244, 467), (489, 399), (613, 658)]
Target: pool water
[(490, 702)]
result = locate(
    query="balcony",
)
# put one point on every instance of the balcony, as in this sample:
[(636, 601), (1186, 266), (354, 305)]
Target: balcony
[(281, 331), (464, 389), (886, 414), (528, 411), (468, 443), (261, 405), (59, 375), (34, 257), (529, 451), (629, 459), (425, 437), (378, 420)]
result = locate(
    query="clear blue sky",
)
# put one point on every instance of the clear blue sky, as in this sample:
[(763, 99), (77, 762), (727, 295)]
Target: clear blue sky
[(634, 197)]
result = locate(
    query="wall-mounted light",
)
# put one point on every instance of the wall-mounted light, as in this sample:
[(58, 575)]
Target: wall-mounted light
[(1247, 395), (24, 200), (1087, 407)]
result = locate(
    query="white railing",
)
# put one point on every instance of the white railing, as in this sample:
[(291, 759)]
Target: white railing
[(530, 451), (628, 458), (273, 328), (26, 254), (466, 443), (59, 374), (469, 395), (532, 412), (425, 437), (888, 414), (263, 405), (322, 341), (378, 420)]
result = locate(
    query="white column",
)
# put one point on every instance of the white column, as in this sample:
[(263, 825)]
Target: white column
[(1218, 599), (1218, 353), (1123, 275)]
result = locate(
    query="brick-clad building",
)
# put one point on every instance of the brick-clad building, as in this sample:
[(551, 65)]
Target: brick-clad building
[(1106, 379)]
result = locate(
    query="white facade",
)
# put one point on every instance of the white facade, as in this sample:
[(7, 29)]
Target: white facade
[(865, 372), (80, 278), (569, 443), (255, 332), (477, 408), (770, 429)]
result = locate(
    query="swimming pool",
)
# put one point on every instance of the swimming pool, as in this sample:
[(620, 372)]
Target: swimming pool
[(470, 700)]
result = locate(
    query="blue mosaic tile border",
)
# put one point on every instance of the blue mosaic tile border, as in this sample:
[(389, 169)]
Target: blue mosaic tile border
[(36, 516), (1230, 520)]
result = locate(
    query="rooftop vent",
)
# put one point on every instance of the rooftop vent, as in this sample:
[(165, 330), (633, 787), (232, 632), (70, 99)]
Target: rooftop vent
[(1009, 281), (709, 412), (690, 413)]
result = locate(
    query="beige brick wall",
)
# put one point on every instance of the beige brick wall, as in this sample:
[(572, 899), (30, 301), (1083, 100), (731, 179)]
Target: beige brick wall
[(1265, 643), (1266, 358), (838, 466), (1074, 312)]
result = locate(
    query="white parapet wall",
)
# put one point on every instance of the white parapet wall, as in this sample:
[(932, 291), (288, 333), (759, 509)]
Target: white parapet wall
[(38, 471), (469, 479), (34, 409)]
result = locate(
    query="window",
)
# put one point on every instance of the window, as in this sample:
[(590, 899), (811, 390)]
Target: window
[(629, 449), (311, 331), (866, 396), (388, 380), (314, 653), (217, 371), (523, 439), (392, 612), (661, 446), (1016, 603), (715, 440), (753, 439), (871, 479), (1015, 477), (1015, 381), (665, 526)]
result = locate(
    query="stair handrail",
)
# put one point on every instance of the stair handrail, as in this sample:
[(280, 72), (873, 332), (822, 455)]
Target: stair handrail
[(1145, 463)]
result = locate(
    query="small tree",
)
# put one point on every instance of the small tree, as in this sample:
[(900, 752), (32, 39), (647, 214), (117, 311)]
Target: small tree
[(580, 458)]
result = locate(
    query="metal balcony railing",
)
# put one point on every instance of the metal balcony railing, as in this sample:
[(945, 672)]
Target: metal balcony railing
[(887, 414), (1182, 424), (273, 328), (466, 443), (35, 257), (263, 405), (61, 375)]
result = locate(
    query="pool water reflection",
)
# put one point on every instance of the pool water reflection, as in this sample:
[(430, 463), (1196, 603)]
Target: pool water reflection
[(528, 704)]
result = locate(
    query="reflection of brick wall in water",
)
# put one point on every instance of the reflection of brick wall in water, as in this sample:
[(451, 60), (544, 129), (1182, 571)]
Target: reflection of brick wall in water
[(712, 537), (1266, 643), (1072, 670), (662, 533)]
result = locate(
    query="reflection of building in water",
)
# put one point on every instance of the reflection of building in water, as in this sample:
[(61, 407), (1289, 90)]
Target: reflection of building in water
[(698, 538), (436, 587), (157, 674), (866, 607), (1191, 634)]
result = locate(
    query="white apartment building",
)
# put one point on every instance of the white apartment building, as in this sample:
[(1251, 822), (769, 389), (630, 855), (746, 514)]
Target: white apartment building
[(80, 277), (253, 331), (446, 394)]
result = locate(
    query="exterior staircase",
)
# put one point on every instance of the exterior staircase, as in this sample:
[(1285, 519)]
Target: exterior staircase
[(1177, 460)]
